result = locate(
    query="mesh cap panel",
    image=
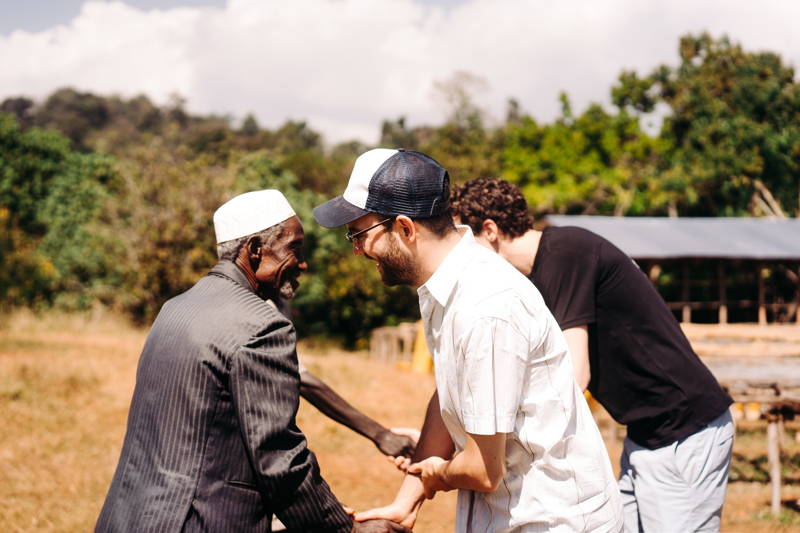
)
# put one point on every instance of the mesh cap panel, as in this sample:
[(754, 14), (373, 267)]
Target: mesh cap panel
[(411, 184)]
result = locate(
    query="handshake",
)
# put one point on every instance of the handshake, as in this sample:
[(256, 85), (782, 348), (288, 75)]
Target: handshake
[(398, 445), (425, 477)]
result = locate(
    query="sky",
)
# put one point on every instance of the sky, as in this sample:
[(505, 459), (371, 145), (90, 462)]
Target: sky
[(343, 66)]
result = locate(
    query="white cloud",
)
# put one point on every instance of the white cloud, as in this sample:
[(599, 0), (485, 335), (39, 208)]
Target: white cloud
[(344, 65)]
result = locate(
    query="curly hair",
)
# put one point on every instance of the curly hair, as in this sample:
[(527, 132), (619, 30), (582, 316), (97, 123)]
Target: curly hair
[(492, 198)]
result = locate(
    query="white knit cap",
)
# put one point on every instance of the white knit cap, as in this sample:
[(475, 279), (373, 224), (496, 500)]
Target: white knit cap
[(250, 213)]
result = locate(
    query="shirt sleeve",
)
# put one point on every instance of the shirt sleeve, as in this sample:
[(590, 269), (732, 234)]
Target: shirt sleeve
[(567, 279), (265, 387), (490, 376)]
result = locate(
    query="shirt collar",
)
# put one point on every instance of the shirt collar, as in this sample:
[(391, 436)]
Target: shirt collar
[(440, 285)]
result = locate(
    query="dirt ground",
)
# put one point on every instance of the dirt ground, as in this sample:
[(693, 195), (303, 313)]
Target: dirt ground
[(65, 387)]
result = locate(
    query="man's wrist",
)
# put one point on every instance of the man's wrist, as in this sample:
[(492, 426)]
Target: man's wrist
[(441, 472), (376, 432), (411, 493)]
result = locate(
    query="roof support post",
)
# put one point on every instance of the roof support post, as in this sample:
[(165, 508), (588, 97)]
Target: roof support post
[(797, 297), (686, 315), (762, 310), (774, 457), (723, 302), (653, 271)]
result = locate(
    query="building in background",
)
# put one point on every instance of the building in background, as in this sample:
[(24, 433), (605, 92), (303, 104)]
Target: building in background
[(711, 269)]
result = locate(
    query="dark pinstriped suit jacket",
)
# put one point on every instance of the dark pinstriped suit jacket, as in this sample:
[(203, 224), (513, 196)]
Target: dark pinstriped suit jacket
[(211, 443)]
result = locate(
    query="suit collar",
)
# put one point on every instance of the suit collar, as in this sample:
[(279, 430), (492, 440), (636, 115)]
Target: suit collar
[(228, 269)]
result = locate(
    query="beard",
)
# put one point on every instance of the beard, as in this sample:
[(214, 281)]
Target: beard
[(289, 286), (396, 267)]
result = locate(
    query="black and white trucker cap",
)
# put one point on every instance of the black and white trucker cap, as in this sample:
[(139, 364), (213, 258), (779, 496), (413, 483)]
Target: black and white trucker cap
[(389, 182)]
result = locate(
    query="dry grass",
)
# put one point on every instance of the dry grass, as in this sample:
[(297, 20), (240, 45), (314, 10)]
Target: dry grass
[(65, 386), (64, 393)]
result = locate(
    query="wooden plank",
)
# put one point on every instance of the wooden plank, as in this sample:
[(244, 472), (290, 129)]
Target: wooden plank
[(775, 306), (761, 379)]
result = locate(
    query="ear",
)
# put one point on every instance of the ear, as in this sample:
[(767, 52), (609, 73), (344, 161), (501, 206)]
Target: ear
[(490, 230), (253, 246), (406, 228)]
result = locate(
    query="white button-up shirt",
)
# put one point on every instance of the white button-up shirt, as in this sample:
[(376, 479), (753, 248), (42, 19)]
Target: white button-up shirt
[(503, 366)]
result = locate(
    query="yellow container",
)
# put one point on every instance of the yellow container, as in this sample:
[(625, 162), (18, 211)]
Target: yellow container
[(752, 411), (421, 361)]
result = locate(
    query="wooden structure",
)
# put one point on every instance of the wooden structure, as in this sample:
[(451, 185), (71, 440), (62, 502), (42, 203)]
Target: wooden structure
[(773, 382), (712, 269), (393, 343), (759, 366)]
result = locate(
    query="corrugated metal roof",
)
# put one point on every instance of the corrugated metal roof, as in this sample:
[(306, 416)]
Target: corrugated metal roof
[(662, 237)]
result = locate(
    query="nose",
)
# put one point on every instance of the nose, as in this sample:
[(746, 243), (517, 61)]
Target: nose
[(302, 264)]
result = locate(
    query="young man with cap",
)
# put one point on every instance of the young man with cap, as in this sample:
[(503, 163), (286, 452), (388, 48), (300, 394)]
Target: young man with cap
[(211, 443), (630, 352), (508, 425)]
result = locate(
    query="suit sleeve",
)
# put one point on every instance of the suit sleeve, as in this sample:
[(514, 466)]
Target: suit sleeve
[(265, 388)]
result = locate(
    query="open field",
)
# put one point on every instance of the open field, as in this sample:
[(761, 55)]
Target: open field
[(65, 386)]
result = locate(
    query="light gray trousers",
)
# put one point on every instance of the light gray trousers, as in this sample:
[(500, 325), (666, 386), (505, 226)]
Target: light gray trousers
[(680, 487)]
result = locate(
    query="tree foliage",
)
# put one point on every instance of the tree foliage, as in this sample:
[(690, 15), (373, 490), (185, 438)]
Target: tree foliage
[(597, 163), (733, 131), (48, 193)]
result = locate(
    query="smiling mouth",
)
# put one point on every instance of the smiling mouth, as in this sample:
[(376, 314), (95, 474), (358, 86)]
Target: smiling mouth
[(292, 279)]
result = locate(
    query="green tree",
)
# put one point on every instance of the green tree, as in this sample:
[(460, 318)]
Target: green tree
[(84, 270), (21, 107), (48, 196), (464, 145), (158, 225), (73, 113), (395, 134), (734, 127), (250, 126), (597, 163)]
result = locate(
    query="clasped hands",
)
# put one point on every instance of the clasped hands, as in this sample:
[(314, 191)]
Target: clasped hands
[(431, 473)]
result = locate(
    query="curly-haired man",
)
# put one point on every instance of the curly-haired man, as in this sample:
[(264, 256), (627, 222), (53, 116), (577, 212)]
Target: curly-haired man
[(629, 351)]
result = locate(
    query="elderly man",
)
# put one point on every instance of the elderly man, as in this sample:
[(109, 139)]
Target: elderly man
[(211, 443), (528, 455), (629, 351)]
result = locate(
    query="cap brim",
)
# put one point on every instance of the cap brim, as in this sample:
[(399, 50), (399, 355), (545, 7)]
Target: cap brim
[(337, 212)]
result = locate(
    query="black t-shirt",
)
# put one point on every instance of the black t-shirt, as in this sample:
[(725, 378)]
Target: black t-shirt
[(643, 369)]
